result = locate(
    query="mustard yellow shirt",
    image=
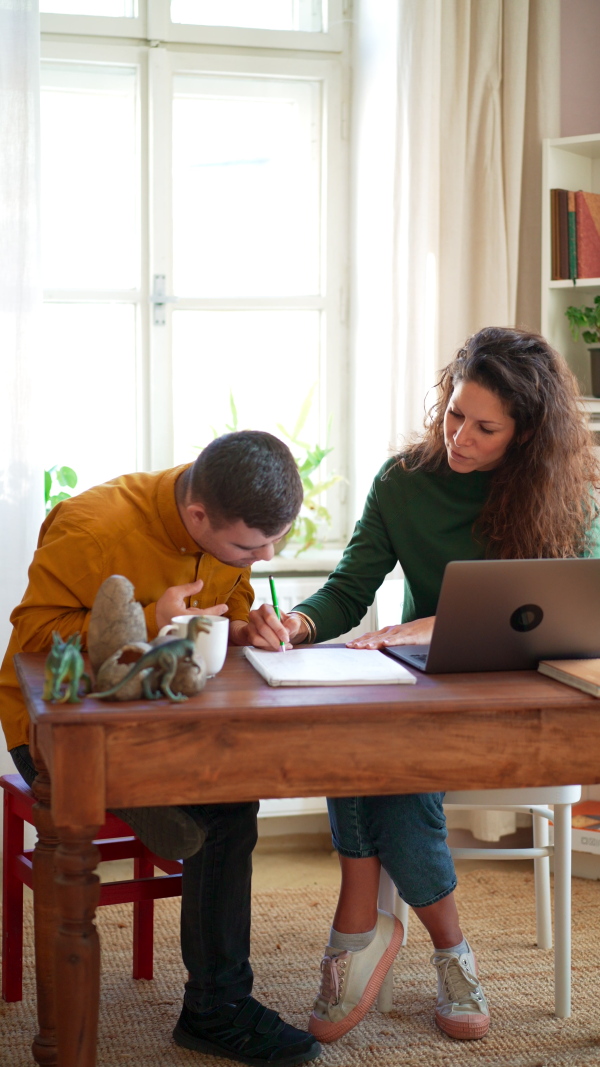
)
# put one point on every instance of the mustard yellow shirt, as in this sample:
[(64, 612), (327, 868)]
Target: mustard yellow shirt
[(128, 526)]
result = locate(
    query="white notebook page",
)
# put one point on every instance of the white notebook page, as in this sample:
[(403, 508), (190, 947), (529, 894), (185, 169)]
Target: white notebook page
[(328, 666)]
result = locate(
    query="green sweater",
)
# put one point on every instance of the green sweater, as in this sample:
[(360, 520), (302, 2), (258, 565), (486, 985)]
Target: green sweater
[(421, 519)]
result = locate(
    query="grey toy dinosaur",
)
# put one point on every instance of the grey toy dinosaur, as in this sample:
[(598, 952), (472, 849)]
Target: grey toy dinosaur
[(160, 665)]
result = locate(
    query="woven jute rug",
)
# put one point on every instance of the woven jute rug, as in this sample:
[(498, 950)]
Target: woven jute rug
[(289, 932)]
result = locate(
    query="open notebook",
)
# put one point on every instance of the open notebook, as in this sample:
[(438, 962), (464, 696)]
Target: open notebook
[(328, 666)]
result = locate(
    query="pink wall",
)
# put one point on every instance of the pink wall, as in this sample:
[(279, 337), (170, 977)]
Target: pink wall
[(579, 67)]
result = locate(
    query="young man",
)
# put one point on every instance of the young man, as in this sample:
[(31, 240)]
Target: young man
[(186, 539)]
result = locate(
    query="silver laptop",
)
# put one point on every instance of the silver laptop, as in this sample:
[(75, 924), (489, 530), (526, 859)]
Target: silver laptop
[(507, 615)]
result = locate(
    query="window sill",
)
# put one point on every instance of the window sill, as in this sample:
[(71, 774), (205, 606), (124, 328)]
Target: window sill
[(315, 561)]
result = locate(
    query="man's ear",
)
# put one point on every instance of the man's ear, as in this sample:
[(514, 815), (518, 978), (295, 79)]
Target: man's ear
[(196, 511)]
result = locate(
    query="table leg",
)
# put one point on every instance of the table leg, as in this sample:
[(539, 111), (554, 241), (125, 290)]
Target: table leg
[(45, 918), (78, 946)]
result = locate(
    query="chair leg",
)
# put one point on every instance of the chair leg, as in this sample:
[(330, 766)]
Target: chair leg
[(562, 910), (541, 867), (386, 902), (401, 910), (12, 906), (143, 922)]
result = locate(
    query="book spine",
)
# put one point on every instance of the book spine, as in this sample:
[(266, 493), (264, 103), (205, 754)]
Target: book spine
[(585, 841), (555, 263), (563, 232), (572, 236), (588, 234)]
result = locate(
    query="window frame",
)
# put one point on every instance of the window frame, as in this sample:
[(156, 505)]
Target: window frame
[(153, 25), (155, 62)]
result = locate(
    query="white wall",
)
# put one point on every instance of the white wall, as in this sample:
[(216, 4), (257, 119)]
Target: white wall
[(580, 67)]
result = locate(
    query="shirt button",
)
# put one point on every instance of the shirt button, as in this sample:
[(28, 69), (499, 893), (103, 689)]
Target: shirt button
[(182, 550), (194, 603)]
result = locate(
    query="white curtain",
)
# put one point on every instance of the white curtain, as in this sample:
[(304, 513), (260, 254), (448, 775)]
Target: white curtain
[(452, 99), (21, 478)]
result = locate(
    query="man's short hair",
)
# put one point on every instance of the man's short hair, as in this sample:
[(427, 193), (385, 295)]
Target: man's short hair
[(248, 475)]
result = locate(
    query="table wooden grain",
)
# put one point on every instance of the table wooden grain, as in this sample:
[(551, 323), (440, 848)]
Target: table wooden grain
[(242, 740)]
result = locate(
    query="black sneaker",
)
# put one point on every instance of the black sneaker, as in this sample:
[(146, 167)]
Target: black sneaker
[(246, 1032)]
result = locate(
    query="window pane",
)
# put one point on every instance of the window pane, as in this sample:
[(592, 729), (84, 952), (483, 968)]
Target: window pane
[(267, 360), (125, 9), (88, 382), (255, 14), (246, 178), (89, 176)]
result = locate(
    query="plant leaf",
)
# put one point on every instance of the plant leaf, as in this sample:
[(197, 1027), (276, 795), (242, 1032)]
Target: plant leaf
[(304, 410), (234, 414), (67, 476), (54, 500)]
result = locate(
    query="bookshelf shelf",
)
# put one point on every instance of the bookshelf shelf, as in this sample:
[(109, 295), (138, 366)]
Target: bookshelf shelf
[(580, 283), (567, 163)]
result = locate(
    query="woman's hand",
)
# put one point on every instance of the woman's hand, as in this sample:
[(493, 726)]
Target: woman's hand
[(405, 633), (265, 630)]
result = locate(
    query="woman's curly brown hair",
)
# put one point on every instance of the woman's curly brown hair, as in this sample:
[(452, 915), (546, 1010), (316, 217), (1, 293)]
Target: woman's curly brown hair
[(541, 502)]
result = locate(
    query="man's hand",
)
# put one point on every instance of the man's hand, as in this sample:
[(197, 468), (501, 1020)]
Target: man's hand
[(406, 633), (172, 603), (265, 630)]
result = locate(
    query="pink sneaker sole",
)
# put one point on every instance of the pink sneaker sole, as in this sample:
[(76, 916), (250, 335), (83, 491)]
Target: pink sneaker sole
[(467, 1028), (325, 1031)]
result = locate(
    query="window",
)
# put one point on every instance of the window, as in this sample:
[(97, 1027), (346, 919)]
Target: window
[(194, 241), (255, 14)]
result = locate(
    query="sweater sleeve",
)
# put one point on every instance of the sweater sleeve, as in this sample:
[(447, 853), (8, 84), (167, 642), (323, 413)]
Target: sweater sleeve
[(350, 590)]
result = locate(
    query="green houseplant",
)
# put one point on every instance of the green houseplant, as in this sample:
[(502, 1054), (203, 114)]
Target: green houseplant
[(585, 320), (58, 481), (313, 515)]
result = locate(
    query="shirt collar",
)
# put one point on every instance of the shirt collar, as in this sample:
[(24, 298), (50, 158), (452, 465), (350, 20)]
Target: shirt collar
[(169, 513)]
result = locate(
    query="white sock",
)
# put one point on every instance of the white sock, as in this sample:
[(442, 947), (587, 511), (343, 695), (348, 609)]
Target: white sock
[(352, 942), (456, 949)]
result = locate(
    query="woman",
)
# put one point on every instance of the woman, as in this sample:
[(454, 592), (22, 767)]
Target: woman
[(504, 469)]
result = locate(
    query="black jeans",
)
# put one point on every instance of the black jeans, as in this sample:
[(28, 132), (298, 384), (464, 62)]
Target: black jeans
[(215, 899)]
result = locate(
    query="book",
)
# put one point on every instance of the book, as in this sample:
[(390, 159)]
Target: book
[(582, 674), (555, 261), (559, 226), (572, 220), (587, 210), (328, 666), (585, 827), (563, 232)]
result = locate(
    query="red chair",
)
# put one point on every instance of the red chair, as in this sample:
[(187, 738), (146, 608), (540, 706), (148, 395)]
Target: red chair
[(115, 841)]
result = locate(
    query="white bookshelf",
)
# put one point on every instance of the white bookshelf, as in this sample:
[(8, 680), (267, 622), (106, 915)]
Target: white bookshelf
[(568, 163)]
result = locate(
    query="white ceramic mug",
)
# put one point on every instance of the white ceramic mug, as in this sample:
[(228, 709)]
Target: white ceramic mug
[(211, 646)]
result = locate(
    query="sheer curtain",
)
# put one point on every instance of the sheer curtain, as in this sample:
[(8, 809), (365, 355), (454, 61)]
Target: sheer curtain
[(21, 477), (452, 99)]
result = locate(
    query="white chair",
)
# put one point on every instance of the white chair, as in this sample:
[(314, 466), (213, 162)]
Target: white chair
[(533, 802)]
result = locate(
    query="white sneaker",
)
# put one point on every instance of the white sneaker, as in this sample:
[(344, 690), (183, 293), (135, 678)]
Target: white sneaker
[(461, 1010), (350, 981)]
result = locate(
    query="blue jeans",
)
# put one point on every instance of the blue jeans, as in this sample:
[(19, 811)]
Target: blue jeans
[(408, 834), (215, 899)]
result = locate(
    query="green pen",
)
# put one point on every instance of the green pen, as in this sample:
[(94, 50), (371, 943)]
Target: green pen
[(276, 606)]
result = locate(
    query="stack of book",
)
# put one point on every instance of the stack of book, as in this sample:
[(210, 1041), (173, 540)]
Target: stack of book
[(575, 231), (585, 827), (582, 674)]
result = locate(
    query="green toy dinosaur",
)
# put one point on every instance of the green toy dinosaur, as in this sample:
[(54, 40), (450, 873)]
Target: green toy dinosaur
[(160, 664), (64, 667)]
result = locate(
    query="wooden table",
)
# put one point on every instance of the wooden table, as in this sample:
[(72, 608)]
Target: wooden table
[(241, 740)]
